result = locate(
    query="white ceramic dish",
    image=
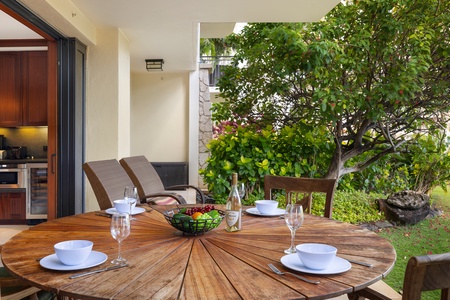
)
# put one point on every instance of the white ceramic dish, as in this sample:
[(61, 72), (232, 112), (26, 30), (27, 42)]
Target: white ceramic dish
[(73, 252), (136, 210), (339, 265), (53, 263), (123, 206), (254, 211), (316, 256), (266, 207)]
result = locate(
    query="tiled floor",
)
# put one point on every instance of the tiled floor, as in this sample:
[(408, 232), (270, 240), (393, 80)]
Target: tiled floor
[(8, 231)]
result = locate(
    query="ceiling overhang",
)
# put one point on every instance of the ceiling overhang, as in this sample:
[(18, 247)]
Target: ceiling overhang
[(169, 29)]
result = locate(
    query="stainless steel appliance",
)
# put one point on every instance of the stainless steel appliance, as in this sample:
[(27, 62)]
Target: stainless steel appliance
[(37, 195), (18, 152), (13, 176)]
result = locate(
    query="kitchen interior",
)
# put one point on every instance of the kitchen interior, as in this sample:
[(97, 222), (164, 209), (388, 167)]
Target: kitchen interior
[(23, 175), (23, 126)]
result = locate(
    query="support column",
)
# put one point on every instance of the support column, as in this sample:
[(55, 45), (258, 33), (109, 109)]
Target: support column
[(205, 123)]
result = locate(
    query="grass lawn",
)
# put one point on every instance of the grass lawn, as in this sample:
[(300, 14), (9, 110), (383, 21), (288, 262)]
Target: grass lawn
[(430, 236)]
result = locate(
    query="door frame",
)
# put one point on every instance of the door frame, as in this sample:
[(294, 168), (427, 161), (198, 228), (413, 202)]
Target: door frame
[(65, 193)]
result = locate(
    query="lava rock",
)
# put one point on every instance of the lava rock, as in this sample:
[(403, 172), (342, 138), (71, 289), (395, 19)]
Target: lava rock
[(406, 208), (408, 200)]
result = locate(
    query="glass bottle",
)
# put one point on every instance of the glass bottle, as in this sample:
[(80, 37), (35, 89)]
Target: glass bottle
[(233, 214)]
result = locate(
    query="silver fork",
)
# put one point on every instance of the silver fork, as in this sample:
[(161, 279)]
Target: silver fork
[(295, 275)]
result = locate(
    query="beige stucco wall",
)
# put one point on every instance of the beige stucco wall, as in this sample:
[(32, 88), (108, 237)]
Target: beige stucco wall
[(147, 114), (107, 101), (160, 125), (160, 116)]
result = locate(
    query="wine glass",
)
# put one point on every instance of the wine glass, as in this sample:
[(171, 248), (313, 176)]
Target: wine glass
[(130, 195), (294, 220), (120, 230), (241, 190)]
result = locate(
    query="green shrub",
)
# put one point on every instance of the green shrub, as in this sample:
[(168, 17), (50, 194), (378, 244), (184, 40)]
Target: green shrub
[(351, 207), (421, 166), (297, 151)]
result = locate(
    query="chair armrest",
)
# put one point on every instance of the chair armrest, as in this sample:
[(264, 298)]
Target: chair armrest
[(177, 197), (183, 186)]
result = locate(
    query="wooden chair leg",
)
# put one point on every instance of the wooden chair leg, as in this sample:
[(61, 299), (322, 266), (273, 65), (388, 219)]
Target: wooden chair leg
[(379, 291), (21, 294)]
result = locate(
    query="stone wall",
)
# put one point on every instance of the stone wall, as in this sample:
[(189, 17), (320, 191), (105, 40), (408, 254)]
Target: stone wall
[(205, 123)]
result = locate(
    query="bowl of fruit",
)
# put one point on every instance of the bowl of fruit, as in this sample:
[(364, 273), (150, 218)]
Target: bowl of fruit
[(194, 220)]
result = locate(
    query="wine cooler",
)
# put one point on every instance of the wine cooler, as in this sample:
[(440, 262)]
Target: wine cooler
[(37, 200)]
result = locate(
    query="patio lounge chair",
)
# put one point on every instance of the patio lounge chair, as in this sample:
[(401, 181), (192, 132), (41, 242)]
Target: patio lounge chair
[(149, 184), (108, 180), (298, 185)]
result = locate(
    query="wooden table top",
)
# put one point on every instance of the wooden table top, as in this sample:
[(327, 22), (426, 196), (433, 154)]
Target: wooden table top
[(217, 265)]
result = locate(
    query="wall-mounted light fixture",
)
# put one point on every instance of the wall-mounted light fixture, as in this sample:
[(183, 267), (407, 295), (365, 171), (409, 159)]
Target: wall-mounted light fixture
[(154, 64)]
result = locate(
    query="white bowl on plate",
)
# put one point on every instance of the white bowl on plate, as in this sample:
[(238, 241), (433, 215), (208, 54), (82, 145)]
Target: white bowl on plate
[(316, 256), (73, 252), (266, 207), (123, 206)]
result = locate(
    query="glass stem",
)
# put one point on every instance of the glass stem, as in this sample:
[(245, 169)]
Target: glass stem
[(292, 239), (119, 256)]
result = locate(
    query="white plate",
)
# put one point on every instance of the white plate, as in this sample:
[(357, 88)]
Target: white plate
[(53, 263), (136, 210), (339, 265), (255, 211)]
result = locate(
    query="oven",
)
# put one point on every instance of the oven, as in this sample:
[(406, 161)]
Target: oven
[(13, 176)]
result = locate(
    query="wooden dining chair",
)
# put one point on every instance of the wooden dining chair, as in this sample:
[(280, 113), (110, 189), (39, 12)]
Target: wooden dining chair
[(150, 185), (293, 186), (423, 273)]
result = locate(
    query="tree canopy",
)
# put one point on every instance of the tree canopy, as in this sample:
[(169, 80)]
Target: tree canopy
[(374, 72)]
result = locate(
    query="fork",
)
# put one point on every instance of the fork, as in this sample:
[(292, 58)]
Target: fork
[(295, 275)]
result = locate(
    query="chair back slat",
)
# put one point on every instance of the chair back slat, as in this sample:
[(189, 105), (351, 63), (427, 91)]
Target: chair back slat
[(143, 175), (427, 273), (108, 180), (293, 185)]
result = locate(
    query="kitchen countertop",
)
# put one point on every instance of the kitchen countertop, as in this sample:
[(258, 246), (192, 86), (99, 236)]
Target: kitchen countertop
[(23, 161)]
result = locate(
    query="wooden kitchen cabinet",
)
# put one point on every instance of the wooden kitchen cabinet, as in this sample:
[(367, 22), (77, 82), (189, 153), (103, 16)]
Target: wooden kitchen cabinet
[(10, 89), (23, 88), (13, 208), (34, 89)]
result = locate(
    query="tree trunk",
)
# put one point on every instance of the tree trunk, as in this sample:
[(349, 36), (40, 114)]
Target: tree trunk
[(334, 170)]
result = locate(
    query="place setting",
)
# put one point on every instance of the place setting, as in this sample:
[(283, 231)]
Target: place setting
[(127, 204), (311, 258), (266, 208), (314, 258), (74, 255)]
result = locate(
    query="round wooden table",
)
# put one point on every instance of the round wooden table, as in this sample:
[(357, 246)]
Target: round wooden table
[(217, 265)]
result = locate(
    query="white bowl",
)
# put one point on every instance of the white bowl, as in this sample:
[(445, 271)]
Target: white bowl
[(73, 252), (123, 206), (316, 256), (266, 207)]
